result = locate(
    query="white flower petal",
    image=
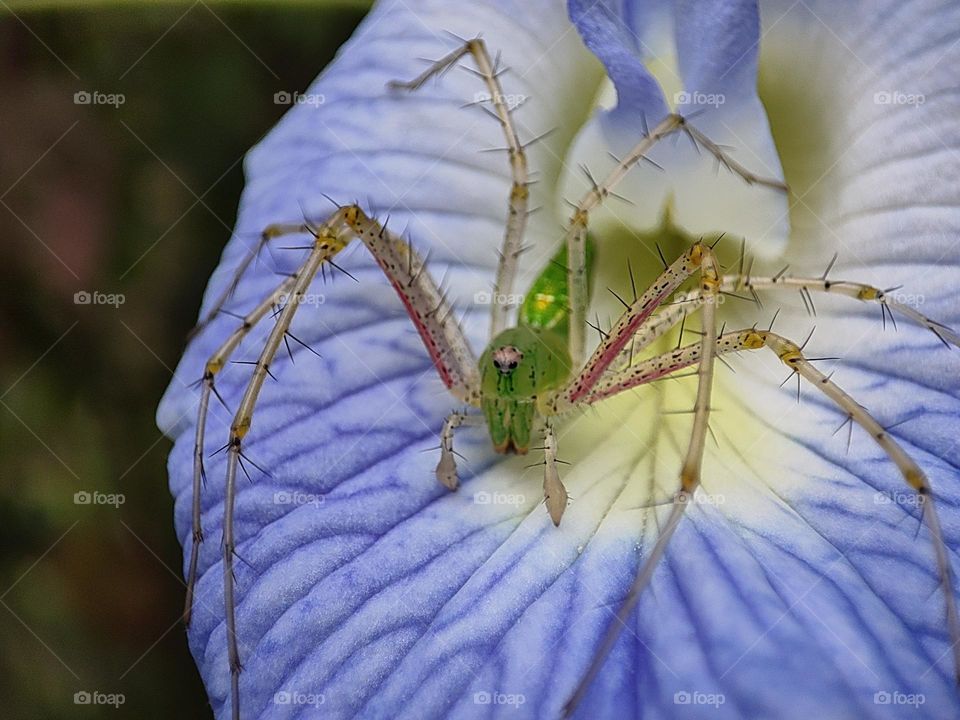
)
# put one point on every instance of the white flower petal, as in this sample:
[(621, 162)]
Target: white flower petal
[(709, 73)]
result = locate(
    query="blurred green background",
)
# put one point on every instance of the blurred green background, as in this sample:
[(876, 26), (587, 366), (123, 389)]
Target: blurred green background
[(138, 199)]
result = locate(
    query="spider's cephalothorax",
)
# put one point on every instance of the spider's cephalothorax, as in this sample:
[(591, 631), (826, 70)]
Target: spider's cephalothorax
[(534, 361), (535, 372), (525, 363)]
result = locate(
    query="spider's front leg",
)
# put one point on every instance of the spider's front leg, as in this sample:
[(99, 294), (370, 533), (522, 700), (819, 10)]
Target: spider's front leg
[(216, 363), (427, 308), (489, 72), (632, 375), (639, 327)]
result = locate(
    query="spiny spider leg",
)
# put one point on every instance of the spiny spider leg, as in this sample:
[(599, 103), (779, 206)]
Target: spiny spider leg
[(554, 492), (328, 243), (576, 233), (790, 354), (268, 234), (699, 258), (519, 192), (447, 467), (636, 324), (690, 471), (427, 308), (847, 288), (685, 304), (214, 365)]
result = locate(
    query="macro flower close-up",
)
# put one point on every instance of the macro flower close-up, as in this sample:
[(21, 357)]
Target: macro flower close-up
[(798, 582), (591, 359)]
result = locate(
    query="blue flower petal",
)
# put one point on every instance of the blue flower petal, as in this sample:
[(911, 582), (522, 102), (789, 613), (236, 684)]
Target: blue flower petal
[(610, 35), (793, 587)]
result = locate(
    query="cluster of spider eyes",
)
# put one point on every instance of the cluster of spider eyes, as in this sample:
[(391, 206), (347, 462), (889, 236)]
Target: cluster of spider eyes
[(507, 358)]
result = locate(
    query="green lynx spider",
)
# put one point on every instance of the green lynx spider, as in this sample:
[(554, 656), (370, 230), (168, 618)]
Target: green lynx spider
[(533, 373)]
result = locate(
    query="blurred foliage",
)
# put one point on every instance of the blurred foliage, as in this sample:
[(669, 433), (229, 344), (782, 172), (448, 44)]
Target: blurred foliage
[(136, 199)]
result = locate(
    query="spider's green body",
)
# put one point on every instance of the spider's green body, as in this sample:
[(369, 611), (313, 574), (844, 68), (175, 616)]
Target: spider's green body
[(524, 362)]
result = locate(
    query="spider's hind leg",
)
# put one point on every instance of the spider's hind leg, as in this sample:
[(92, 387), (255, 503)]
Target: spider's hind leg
[(215, 363), (328, 240)]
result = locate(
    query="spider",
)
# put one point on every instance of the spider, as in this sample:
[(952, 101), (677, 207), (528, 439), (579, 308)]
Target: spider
[(535, 372)]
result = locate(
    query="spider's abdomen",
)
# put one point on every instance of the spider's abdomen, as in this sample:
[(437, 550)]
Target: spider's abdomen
[(547, 303)]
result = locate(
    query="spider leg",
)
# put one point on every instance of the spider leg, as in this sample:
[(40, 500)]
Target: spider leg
[(447, 467), (633, 323), (329, 241), (690, 471), (791, 355), (268, 234), (575, 236), (856, 290), (687, 303), (554, 493), (214, 365), (519, 191), (428, 310), (684, 304)]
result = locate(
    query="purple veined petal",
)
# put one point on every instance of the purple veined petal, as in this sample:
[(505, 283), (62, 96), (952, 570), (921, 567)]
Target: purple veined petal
[(613, 37), (704, 55), (368, 591)]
